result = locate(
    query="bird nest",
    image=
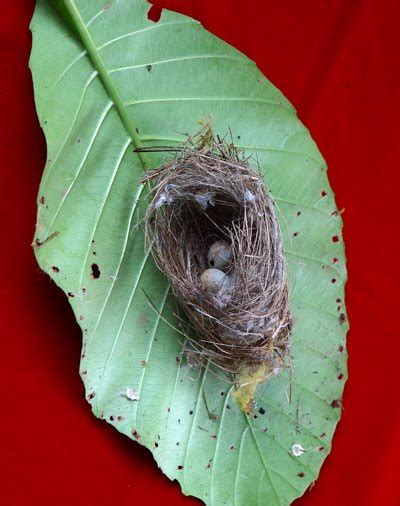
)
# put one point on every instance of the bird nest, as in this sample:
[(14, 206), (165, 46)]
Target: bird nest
[(212, 229)]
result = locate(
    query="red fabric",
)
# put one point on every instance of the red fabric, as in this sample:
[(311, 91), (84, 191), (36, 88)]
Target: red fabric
[(337, 61)]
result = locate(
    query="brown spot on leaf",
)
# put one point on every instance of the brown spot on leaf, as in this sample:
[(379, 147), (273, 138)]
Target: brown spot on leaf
[(135, 434), (143, 318)]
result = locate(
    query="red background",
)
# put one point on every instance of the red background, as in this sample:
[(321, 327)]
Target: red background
[(338, 62)]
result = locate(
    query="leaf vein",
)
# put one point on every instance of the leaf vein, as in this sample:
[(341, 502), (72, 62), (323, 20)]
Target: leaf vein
[(182, 58), (150, 347), (129, 103), (103, 204), (54, 160), (106, 110)]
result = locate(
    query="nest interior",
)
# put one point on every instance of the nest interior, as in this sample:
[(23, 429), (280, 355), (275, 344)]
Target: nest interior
[(204, 194)]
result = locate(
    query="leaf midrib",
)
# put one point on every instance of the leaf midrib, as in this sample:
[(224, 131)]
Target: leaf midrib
[(104, 75)]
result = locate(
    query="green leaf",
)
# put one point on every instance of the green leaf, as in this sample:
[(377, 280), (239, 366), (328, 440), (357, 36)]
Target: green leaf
[(108, 80)]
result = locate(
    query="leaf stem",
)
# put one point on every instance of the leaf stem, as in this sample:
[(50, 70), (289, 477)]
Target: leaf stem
[(105, 77)]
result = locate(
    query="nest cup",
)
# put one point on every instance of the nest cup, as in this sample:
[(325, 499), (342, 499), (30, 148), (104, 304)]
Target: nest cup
[(207, 193)]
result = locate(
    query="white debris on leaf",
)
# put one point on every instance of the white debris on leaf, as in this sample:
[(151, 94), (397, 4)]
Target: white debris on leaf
[(297, 450), (131, 394), (276, 370)]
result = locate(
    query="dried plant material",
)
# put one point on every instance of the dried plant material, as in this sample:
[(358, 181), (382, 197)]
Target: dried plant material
[(131, 394), (208, 195)]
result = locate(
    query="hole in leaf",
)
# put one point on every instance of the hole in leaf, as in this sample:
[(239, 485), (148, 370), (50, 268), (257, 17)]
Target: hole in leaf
[(154, 13), (95, 271)]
